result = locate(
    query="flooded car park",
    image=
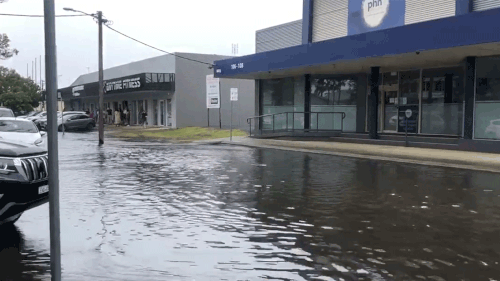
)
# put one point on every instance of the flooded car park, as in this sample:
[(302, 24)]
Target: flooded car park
[(148, 211)]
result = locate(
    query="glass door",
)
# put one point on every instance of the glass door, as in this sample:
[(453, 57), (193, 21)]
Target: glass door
[(162, 113), (389, 101), (169, 113), (155, 113), (409, 102)]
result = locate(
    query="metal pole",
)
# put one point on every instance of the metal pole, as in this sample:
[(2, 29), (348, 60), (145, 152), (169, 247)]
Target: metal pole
[(51, 76), (208, 117), (41, 72), (220, 105), (35, 72), (287, 121), (27, 73), (101, 83), (32, 69), (231, 123), (406, 131), (62, 123)]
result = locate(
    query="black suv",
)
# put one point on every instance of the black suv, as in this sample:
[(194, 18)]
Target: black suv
[(23, 180)]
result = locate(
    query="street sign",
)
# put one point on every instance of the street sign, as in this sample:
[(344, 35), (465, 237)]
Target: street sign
[(213, 92), (234, 94)]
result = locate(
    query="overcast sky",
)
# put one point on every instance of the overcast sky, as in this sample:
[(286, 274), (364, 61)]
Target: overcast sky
[(199, 26)]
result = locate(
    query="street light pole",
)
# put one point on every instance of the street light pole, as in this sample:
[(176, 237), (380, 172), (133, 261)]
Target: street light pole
[(101, 84), (53, 169)]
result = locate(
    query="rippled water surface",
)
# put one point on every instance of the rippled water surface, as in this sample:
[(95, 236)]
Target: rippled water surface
[(143, 211)]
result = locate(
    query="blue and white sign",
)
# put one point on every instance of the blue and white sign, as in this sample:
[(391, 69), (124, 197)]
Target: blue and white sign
[(369, 15)]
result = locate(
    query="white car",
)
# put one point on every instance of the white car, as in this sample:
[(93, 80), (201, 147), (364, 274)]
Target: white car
[(20, 131)]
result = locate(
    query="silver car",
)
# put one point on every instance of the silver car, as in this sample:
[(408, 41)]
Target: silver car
[(6, 112)]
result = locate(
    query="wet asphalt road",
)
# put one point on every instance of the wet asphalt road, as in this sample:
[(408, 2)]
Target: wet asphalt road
[(136, 211)]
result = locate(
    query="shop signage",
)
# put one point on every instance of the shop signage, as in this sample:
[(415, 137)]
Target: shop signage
[(374, 11), (213, 92), (128, 83), (408, 114), (76, 90), (234, 94), (370, 15)]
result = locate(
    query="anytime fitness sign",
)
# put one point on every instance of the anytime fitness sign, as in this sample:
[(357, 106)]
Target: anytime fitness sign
[(129, 83)]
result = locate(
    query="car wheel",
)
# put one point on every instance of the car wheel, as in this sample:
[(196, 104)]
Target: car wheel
[(60, 128), (90, 126)]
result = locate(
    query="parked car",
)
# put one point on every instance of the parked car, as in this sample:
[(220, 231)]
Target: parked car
[(20, 131), (42, 122), (23, 179), (29, 115), (6, 112), (76, 122)]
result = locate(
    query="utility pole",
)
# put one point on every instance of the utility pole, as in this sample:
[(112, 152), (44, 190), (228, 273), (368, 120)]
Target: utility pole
[(51, 76), (41, 71), (101, 84), (100, 21), (35, 72)]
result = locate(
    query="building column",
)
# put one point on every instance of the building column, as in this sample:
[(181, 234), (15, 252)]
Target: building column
[(463, 7), (469, 87), (373, 102), (307, 18), (307, 102)]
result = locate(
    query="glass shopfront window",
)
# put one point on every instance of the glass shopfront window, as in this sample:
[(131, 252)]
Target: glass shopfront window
[(280, 96), (487, 111), (442, 101), (334, 94)]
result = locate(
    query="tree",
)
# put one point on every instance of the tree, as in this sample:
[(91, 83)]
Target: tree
[(5, 50), (16, 92)]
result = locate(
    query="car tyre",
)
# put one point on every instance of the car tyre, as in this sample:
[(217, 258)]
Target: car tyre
[(90, 126), (60, 128)]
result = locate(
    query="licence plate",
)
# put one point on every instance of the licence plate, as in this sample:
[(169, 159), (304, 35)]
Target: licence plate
[(43, 189)]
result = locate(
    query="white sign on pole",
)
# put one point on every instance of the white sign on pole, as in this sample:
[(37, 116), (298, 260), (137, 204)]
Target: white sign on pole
[(213, 92), (234, 94)]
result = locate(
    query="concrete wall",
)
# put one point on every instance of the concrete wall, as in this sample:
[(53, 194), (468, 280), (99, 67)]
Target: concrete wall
[(190, 95), (160, 64)]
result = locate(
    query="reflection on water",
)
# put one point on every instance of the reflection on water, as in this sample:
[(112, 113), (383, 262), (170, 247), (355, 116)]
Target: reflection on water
[(148, 212), (20, 259)]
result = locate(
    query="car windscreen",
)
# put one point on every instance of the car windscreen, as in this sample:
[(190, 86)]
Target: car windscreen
[(6, 113), (17, 126)]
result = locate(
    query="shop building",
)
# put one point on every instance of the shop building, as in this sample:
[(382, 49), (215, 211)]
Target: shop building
[(170, 88), (378, 70)]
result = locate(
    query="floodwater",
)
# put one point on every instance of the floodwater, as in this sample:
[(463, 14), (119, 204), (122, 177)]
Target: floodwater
[(141, 211)]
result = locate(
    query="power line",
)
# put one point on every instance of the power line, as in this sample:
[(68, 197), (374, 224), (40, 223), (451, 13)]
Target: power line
[(209, 64), (38, 16)]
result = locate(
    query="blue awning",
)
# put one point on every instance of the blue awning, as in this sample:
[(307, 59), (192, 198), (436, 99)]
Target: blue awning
[(474, 28)]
